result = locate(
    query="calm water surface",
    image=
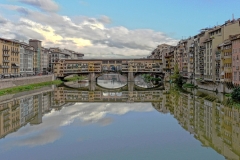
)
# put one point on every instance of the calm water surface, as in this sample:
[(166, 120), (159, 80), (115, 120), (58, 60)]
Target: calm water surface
[(59, 123)]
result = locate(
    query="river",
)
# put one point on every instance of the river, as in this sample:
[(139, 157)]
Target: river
[(65, 123)]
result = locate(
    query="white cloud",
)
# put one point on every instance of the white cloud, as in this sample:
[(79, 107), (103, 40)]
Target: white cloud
[(90, 36), (46, 5), (83, 113)]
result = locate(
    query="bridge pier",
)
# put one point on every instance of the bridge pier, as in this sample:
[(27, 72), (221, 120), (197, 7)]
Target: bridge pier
[(130, 77), (131, 86), (92, 86), (92, 77)]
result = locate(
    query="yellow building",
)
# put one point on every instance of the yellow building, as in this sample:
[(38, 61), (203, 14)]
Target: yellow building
[(9, 117), (9, 58)]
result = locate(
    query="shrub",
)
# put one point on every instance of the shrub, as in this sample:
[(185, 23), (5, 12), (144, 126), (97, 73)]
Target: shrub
[(236, 94), (188, 85)]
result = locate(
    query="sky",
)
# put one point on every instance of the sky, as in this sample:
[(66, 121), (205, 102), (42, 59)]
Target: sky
[(112, 29)]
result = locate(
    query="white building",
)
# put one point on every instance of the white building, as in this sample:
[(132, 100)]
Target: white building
[(44, 60), (26, 59)]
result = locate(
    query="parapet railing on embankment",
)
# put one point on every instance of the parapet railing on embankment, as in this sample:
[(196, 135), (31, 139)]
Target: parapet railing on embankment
[(13, 82), (21, 78)]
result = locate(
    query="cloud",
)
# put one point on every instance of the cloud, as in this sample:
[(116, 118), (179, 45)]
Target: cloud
[(81, 113), (19, 9), (46, 5), (87, 35), (105, 19), (46, 136), (84, 3), (2, 20)]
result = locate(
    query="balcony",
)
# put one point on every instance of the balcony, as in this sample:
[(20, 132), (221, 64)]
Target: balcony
[(14, 65), (1, 66), (6, 55), (5, 49), (6, 61)]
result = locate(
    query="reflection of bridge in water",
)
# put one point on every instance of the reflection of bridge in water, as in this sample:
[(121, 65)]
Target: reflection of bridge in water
[(63, 95)]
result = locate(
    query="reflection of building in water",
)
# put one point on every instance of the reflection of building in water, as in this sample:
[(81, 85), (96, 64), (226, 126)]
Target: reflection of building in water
[(21, 110), (215, 125), (27, 109), (62, 96), (9, 117)]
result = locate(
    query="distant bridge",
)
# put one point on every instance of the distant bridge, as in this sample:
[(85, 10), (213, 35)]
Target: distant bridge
[(96, 67)]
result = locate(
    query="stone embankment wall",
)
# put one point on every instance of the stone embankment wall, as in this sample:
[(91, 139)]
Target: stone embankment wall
[(20, 95), (13, 82), (220, 87)]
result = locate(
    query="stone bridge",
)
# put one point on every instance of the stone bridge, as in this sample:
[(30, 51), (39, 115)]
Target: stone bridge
[(96, 67)]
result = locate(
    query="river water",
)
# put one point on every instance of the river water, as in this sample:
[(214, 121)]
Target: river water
[(65, 123)]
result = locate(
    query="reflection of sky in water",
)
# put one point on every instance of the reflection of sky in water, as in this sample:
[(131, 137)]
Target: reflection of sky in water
[(111, 84), (112, 81), (105, 131), (139, 81), (143, 85)]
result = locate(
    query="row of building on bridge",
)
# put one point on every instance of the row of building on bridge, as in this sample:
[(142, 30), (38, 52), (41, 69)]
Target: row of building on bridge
[(20, 58), (64, 67), (212, 55)]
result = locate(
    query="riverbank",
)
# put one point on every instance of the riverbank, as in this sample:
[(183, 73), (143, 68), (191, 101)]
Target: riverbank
[(14, 82), (28, 87), (74, 78)]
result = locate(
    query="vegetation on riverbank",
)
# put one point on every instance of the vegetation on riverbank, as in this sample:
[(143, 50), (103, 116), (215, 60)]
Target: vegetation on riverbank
[(148, 78), (233, 99), (176, 77), (27, 87), (75, 78), (236, 94), (188, 85)]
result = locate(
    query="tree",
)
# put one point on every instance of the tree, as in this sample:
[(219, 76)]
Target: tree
[(176, 77), (236, 94)]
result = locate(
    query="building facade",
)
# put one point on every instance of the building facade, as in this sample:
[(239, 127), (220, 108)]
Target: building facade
[(9, 58), (210, 57), (44, 60), (56, 54), (235, 58), (26, 59), (37, 45)]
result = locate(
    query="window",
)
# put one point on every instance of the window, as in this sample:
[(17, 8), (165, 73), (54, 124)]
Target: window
[(235, 76)]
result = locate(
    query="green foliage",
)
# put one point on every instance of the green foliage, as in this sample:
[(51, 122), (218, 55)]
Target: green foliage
[(28, 87), (75, 78), (236, 94), (148, 78), (176, 77), (188, 85), (228, 95)]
